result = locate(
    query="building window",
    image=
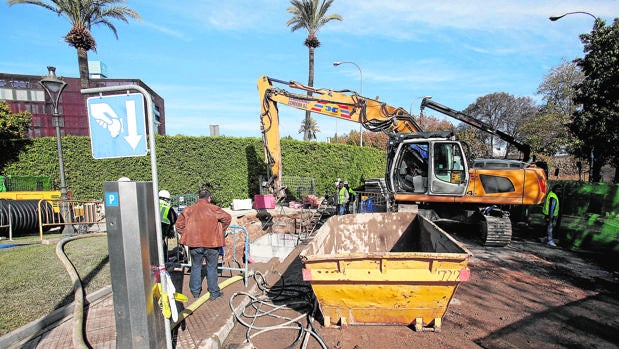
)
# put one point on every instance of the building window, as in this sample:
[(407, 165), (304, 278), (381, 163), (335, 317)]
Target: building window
[(6, 94), (37, 95), (36, 122), (21, 95)]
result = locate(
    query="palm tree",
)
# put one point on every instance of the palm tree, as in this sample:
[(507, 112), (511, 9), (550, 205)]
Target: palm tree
[(309, 128), (310, 15), (83, 14)]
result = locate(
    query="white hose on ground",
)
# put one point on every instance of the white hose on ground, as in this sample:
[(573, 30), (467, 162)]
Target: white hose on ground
[(78, 302), (294, 299)]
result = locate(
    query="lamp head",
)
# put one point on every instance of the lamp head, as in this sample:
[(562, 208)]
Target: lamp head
[(335, 64), (53, 85)]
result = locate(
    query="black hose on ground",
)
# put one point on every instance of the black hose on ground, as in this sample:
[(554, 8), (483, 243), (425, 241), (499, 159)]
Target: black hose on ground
[(78, 290)]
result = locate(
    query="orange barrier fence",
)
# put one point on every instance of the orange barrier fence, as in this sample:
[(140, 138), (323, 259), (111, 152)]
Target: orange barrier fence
[(82, 215)]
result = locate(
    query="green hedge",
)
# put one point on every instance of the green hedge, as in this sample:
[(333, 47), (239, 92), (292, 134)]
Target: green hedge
[(590, 214), (230, 166)]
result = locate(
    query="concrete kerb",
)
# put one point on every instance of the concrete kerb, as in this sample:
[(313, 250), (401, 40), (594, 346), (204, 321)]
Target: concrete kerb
[(17, 338)]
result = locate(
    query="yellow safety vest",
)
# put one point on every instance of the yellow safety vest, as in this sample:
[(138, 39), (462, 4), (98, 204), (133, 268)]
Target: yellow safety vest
[(343, 196), (164, 209), (546, 208)]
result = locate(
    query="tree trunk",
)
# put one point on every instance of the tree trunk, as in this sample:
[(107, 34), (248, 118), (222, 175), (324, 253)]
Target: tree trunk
[(310, 83), (597, 168), (82, 61)]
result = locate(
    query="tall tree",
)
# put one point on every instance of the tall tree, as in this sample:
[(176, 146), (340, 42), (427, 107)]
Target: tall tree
[(13, 125), (310, 15), (83, 14), (547, 132), (433, 123), (502, 111), (596, 125), (313, 128)]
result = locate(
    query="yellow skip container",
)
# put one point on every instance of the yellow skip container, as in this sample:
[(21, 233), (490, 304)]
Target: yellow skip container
[(384, 268)]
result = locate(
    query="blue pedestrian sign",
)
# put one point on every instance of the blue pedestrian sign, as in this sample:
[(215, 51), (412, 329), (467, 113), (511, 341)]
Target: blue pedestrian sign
[(117, 126)]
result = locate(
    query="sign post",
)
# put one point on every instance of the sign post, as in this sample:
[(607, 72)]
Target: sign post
[(120, 117)]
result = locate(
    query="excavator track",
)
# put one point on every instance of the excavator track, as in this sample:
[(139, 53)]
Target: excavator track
[(496, 231)]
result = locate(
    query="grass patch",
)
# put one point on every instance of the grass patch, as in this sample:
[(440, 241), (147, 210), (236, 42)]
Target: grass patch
[(34, 282)]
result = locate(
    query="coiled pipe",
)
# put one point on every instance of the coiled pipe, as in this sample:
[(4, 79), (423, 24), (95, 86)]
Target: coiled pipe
[(24, 215)]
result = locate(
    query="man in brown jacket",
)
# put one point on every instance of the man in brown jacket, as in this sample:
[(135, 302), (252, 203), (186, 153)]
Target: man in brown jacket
[(202, 226)]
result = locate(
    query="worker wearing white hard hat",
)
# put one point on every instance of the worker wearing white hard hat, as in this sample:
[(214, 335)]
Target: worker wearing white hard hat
[(351, 197), (168, 218)]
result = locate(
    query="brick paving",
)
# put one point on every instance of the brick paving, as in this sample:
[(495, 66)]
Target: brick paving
[(207, 327)]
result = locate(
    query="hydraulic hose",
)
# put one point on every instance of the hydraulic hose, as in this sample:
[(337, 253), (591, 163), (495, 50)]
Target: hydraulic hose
[(78, 302), (200, 301)]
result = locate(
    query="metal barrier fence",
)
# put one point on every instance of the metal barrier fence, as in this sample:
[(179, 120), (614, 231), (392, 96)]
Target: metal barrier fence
[(179, 202), (181, 257), (241, 266), (371, 202), (296, 187), (82, 215), (5, 217)]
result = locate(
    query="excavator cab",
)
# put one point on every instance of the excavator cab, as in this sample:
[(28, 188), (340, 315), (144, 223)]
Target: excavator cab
[(428, 164)]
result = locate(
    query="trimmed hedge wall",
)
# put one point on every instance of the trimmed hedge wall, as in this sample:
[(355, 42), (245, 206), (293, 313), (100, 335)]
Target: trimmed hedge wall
[(590, 215), (231, 167)]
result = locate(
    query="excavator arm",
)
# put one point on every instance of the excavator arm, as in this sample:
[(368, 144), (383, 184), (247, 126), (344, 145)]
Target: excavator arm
[(374, 115), (525, 149)]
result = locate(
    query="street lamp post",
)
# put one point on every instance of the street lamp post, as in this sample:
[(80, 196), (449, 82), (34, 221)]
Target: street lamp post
[(54, 86), (556, 18), (335, 64)]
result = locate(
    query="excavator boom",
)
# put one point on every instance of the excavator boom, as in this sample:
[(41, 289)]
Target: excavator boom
[(525, 149), (374, 115)]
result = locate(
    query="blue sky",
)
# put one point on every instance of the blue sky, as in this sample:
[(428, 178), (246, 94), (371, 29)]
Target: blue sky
[(204, 57)]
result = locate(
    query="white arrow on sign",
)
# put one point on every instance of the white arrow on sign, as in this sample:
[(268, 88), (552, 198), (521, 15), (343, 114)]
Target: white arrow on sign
[(132, 129)]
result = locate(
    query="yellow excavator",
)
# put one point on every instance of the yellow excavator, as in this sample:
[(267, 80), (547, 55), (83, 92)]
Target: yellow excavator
[(427, 171)]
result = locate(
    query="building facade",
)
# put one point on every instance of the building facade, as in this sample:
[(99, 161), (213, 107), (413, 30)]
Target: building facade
[(23, 92)]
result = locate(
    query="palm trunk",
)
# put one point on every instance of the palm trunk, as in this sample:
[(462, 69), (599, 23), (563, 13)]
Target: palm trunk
[(82, 61), (310, 83)]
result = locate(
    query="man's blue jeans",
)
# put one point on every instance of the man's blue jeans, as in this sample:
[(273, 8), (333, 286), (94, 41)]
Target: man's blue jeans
[(198, 254)]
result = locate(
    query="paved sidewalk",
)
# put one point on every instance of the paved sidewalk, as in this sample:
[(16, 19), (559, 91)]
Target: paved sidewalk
[(207, 327)]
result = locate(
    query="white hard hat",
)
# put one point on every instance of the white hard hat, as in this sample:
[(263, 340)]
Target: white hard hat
[(345, 182), (164, 194)]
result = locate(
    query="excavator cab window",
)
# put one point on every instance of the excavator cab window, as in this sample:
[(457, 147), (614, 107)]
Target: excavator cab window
[(413, 168), (448, 163)]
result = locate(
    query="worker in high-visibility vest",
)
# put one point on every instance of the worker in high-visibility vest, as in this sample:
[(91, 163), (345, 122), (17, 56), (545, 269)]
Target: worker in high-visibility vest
[(342, 198), (551, 212), (168, 218), (351, 197)]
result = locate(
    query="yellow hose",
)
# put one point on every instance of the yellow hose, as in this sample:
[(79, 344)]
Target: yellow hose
[(198, 303)]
